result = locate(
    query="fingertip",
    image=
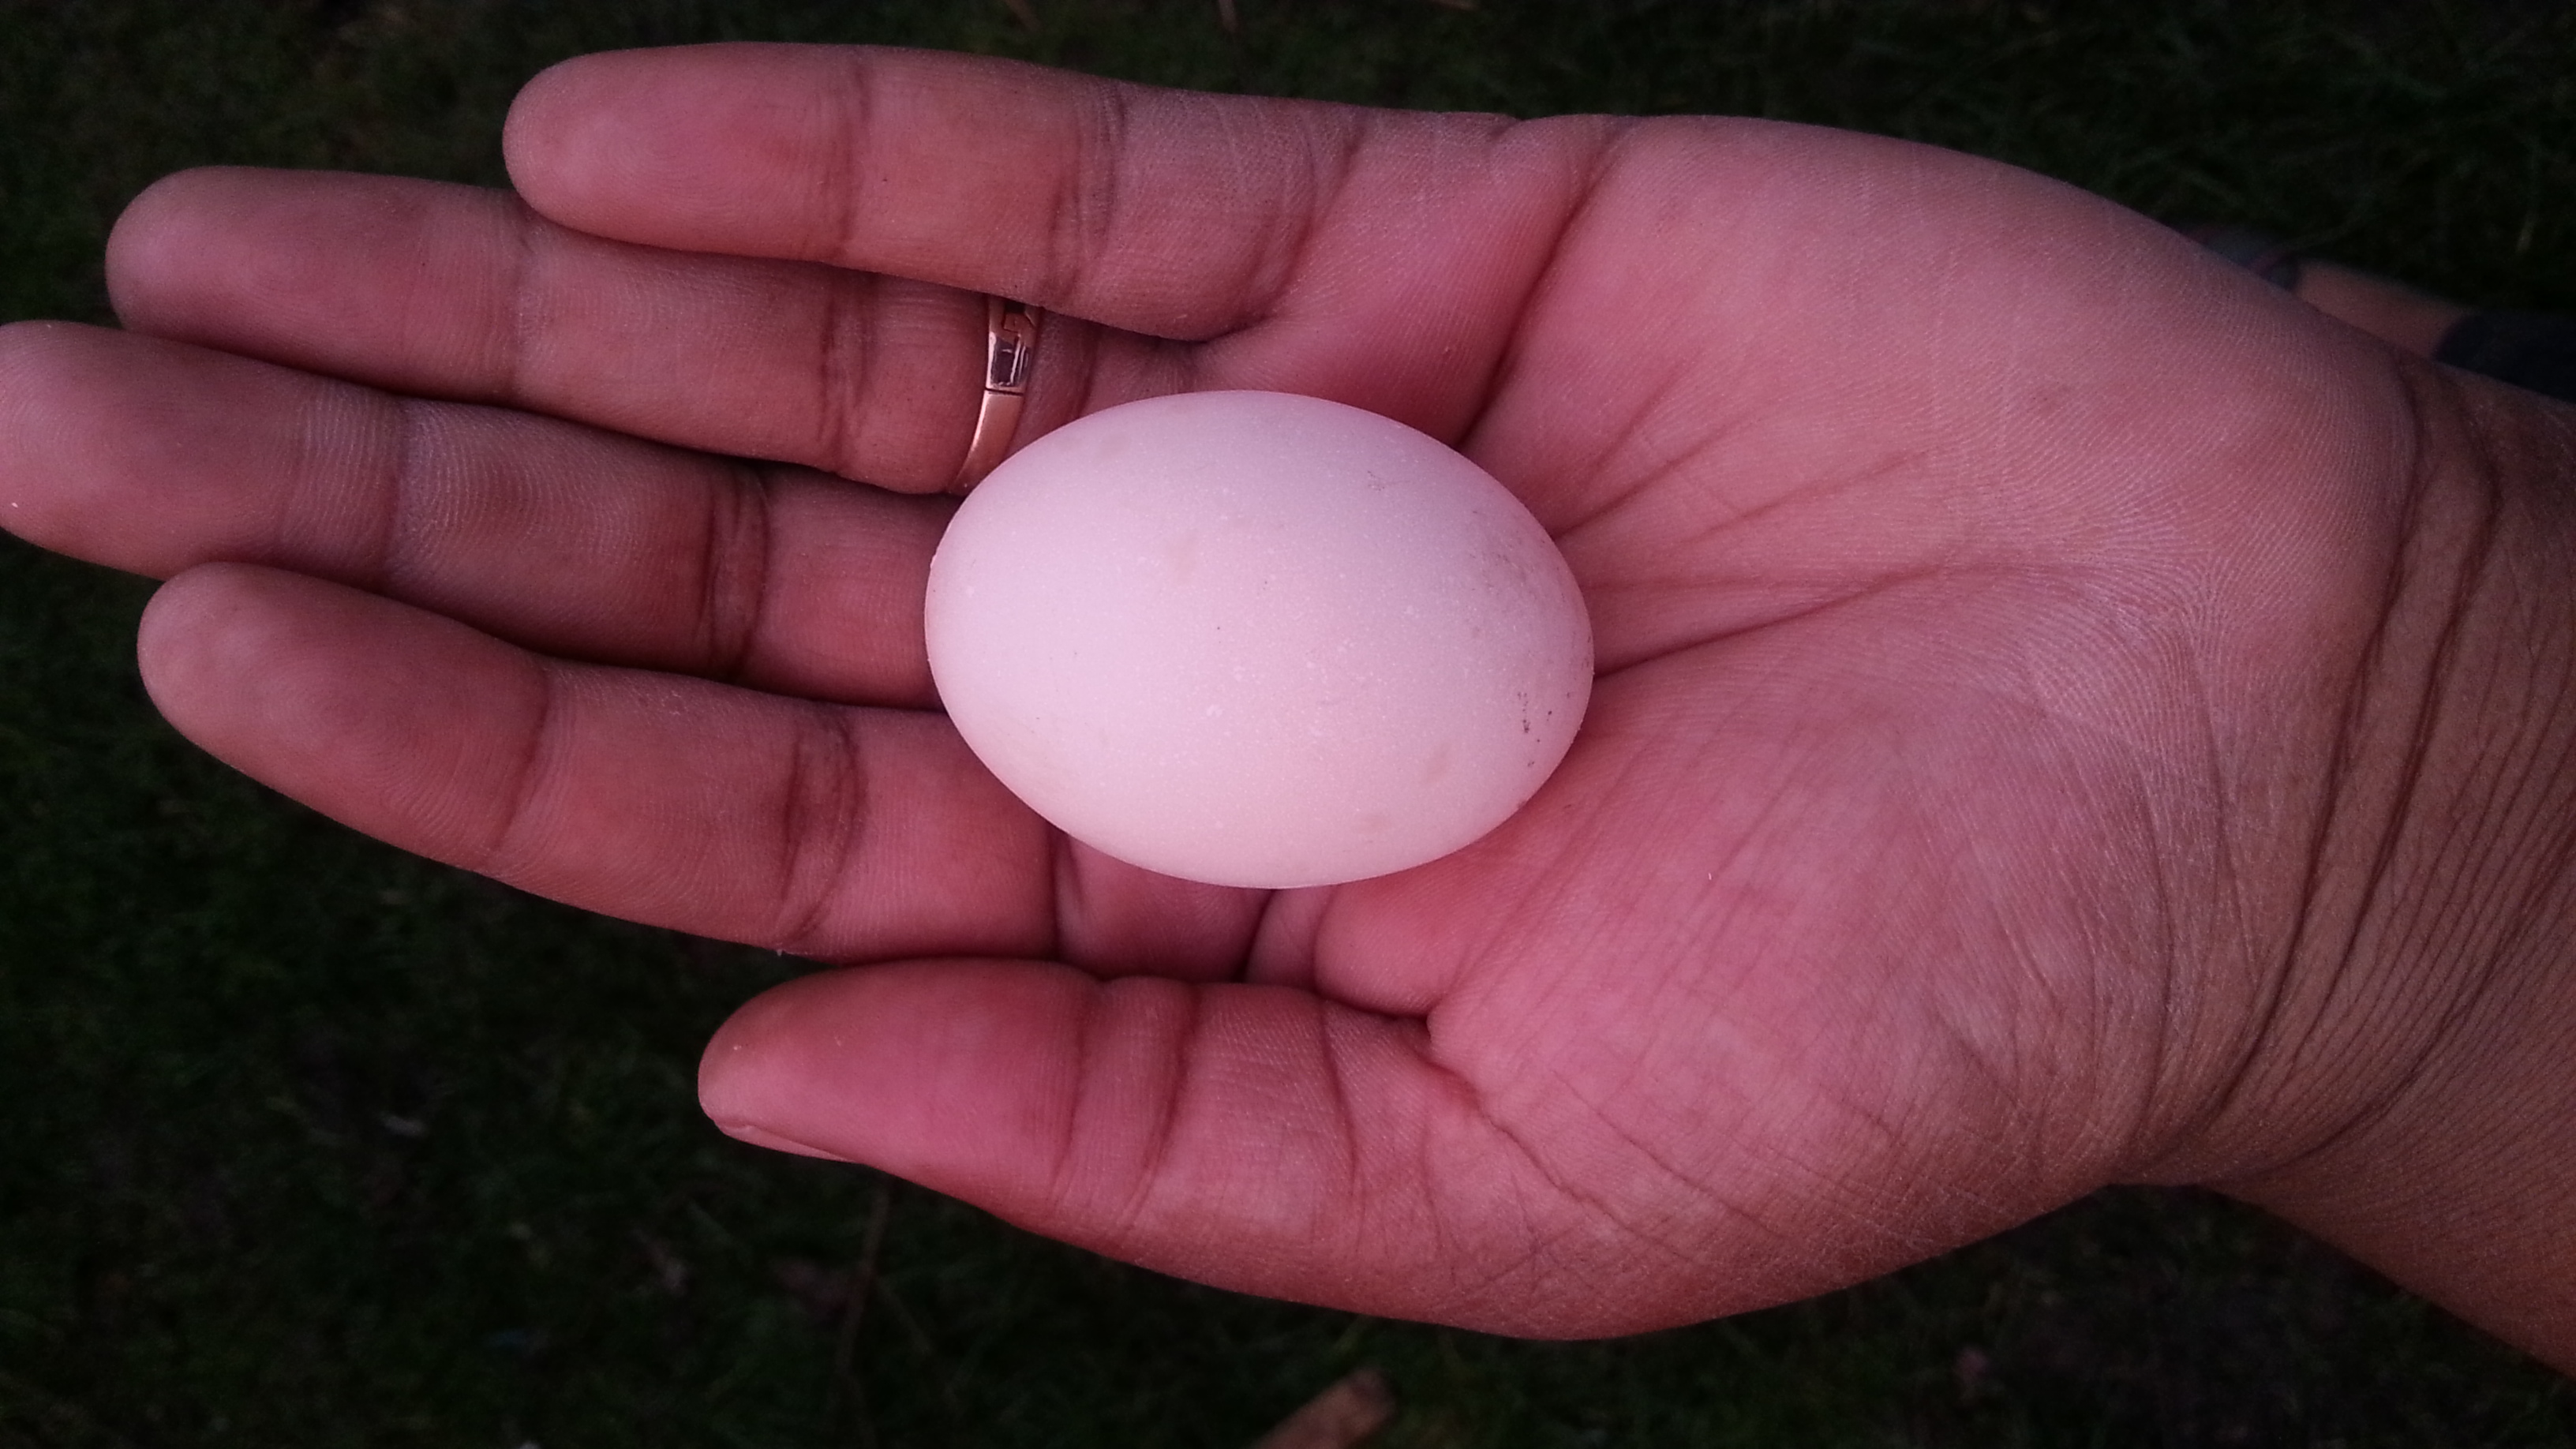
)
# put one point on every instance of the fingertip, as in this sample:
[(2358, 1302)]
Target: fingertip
[(777, 1073), (734, 1071), (926, 1068), (621, 143), (543, 122), (773, 150), (759, 1137), (197, 628), (221, 645), (153, 237), (379, 715)]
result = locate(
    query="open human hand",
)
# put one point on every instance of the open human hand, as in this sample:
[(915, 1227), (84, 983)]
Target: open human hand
[(1998, 607)]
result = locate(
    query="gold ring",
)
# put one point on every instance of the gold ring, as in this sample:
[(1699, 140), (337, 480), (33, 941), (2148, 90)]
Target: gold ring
[(1010, 345)]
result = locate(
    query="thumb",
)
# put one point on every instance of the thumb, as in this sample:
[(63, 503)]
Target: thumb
[(1253, 1137)]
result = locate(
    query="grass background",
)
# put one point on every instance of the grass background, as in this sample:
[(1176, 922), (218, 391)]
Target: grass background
[(304, 1142)]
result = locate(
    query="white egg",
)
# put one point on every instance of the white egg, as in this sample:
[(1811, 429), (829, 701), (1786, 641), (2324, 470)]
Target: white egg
[(1257, 639)]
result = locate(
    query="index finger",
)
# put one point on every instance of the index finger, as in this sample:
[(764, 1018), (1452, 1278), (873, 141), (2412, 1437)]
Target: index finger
[(1412, 240)]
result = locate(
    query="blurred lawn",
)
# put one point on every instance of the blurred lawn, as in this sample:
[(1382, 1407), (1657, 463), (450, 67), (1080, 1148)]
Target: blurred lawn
[(303, 1142)]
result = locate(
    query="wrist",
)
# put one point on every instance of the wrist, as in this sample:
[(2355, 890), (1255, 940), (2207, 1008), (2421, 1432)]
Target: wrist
[(2413, 1096)]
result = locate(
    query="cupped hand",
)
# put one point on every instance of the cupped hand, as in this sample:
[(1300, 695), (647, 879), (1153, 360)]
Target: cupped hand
[(1979, 576)]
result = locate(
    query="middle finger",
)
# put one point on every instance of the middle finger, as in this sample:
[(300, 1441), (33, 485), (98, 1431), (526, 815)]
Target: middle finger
[(156, 457)]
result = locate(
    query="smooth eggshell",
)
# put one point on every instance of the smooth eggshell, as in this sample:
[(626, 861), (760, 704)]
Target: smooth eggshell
[(1257, 639)]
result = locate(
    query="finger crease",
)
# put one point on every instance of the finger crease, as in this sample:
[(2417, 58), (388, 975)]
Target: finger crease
[(840, 373), (1063, 1172), (856, 100), (734, 572), (403, 492), (1516, 343), (821, 817), (1089, 198), (518, 326), (526, 779), (1323, 183), (1188, 1045), (1346, 1127)]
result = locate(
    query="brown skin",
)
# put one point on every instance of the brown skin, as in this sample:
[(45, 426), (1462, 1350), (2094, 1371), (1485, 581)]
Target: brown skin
[(2068, 714), (2393, 313)]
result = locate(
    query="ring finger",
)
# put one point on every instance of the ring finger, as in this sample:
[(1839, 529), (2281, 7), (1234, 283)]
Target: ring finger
[(455, 292)]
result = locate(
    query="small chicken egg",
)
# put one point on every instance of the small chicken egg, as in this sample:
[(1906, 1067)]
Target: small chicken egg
[(1257, 639)]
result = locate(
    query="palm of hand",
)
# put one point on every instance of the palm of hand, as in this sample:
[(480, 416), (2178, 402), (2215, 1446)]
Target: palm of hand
[(1941, 636)]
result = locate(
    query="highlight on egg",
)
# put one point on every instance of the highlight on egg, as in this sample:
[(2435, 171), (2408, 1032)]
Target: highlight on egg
[(1257, 639)]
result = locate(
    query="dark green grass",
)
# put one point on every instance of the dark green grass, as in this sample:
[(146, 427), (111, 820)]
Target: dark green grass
[(305, 1142)]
